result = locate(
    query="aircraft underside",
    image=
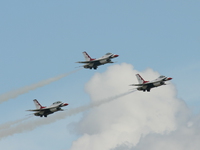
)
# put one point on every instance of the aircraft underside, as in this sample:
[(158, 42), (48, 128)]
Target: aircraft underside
[(45, 114), (48, 112), (150, 86), (144, 89), (96, 64), (93, 66)]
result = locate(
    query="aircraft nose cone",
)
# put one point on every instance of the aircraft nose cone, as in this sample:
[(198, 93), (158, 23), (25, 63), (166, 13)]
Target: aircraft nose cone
[(169, 78), (115, 55), (65, 104)]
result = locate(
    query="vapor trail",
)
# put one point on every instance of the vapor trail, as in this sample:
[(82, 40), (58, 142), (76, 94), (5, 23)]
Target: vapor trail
[(23, 90), (32, 124), (11, 123)]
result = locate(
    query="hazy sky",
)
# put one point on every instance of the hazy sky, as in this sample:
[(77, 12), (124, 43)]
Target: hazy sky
[(40, 40)]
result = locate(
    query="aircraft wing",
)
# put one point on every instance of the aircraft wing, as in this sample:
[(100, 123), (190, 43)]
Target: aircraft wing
[(85, 62), (34, 110), (136, 84), (47, 108), (147, 83), (154, 81), (93, 61)]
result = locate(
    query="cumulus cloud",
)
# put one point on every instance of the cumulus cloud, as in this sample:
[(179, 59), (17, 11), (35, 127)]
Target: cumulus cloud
[(121, 124), (186, 137)]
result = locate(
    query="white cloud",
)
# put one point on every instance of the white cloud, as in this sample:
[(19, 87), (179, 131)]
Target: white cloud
[(121, 124), (186, 137)]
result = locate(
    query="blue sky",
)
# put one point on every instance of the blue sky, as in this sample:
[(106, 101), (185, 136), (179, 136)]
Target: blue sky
[(43, 39)]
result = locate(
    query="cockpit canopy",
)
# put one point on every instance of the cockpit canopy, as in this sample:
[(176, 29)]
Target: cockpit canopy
[(58, 102), (162, 77), (108, 53)]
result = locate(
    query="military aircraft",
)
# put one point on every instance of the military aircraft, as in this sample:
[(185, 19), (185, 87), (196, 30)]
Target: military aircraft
[(147, 85), (94, 63), (44, 111)]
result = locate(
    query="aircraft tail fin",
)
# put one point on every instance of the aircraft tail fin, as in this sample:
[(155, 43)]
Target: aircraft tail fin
[(37, 104), (140, 79), (87, 57)]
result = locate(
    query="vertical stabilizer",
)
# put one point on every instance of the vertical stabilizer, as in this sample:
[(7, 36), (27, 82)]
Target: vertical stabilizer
[(140, 79), (87, 57), (37, 104)]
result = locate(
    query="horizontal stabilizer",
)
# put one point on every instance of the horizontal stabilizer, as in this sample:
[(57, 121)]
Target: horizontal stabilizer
[(34, 110), (136, 85)]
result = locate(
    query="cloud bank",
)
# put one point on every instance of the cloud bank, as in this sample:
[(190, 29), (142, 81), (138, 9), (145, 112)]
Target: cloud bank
[(185, 137), (144, 120)]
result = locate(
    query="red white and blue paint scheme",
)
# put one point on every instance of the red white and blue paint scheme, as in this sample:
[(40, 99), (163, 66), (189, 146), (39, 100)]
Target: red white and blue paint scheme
[(147, 85), (94, 63), (45, 111)]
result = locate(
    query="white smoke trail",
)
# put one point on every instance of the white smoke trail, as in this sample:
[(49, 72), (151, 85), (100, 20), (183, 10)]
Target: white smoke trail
[(31, 125), (11, 123), (23, 90)]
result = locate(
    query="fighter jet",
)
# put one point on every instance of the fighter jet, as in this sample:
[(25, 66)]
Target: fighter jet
[(147, 85), (94, 63), (44, 111)]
